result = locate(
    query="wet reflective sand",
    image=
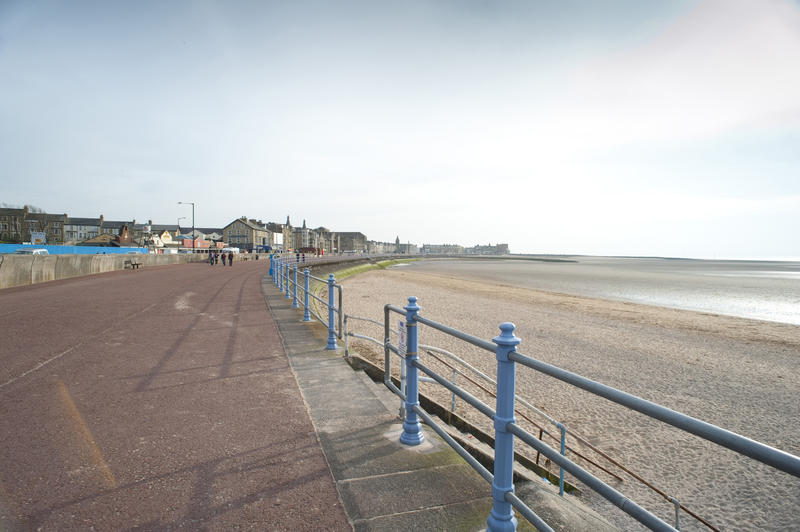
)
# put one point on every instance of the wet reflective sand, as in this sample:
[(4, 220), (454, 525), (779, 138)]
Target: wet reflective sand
[(750, 289)]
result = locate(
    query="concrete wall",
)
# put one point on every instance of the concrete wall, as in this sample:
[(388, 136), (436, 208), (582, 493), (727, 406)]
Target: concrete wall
[(22, 270)]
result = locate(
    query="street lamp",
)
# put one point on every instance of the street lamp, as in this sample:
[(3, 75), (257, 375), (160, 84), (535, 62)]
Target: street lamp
[(179, 224), (192, 204)]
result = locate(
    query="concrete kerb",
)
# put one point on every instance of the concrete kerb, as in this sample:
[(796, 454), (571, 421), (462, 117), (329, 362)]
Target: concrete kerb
[(383, 484)]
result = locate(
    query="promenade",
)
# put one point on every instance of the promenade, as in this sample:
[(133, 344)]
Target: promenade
[(193, 397), (156, 399)]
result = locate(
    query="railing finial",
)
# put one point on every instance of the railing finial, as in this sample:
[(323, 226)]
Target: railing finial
[(506, 337)]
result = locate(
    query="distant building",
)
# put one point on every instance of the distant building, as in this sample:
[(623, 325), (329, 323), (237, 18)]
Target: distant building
[(11, 224), (50, 224), (351, 241), (186, 242), (381, 248), (247, 234), (16, 225), (122, 239), (408, 249), (303, 237), (281, 234), (80, 229), (111, 227), (489, 249), (212, 234), (442, 249)]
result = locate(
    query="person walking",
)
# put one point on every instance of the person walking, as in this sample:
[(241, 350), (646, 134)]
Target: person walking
[(230, 258), (211, 258), (223, 258)]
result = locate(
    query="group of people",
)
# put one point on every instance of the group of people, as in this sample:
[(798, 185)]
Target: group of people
[(214, 256)]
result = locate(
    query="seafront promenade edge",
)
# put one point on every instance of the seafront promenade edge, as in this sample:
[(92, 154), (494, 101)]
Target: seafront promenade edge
[(385, 485)]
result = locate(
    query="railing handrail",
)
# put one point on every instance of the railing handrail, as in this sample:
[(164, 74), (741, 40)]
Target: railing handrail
[(771, 456), (458, 359), (502, 427), (521, 400), (776, 458), (282, 269)]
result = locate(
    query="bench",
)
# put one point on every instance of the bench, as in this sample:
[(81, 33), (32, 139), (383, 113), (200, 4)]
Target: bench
[(132, 264)]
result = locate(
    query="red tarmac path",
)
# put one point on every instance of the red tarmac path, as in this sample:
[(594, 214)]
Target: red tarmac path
[(160, 398)]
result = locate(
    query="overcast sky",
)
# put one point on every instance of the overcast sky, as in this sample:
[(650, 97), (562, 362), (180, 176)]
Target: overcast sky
[(611, 128)]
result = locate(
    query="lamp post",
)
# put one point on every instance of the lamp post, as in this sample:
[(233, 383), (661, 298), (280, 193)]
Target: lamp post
[(192, 204), (179, 224)]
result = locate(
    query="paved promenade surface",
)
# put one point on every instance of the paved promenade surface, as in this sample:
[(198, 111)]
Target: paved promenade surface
[(160, 398)]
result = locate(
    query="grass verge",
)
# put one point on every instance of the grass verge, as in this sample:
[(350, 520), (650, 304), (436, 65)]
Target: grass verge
[(361, 268)]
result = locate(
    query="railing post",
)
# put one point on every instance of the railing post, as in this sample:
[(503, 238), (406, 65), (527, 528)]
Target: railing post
[(453, 400), (341, 314), (306, 312), (331, 334), (288, 280), (677, 512), (563, 430), (403, 385), (502, 517), (412, 428), (346, 341), (294, 303)]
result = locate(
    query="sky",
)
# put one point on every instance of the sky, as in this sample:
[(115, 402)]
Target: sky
[(666, 128)]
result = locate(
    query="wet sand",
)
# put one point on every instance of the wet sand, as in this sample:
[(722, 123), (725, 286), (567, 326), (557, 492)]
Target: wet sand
[(742, 375)]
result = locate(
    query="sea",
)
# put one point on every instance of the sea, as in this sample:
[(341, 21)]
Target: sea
[(761, 290)]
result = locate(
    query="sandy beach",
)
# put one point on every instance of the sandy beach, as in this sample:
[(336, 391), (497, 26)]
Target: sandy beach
[(742, 375)]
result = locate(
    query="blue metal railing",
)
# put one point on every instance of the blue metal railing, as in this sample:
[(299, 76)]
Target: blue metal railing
[(284, 271), (504, 346), (470, 373)]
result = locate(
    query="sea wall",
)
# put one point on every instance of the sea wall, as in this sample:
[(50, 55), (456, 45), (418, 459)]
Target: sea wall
[(22, 270)]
